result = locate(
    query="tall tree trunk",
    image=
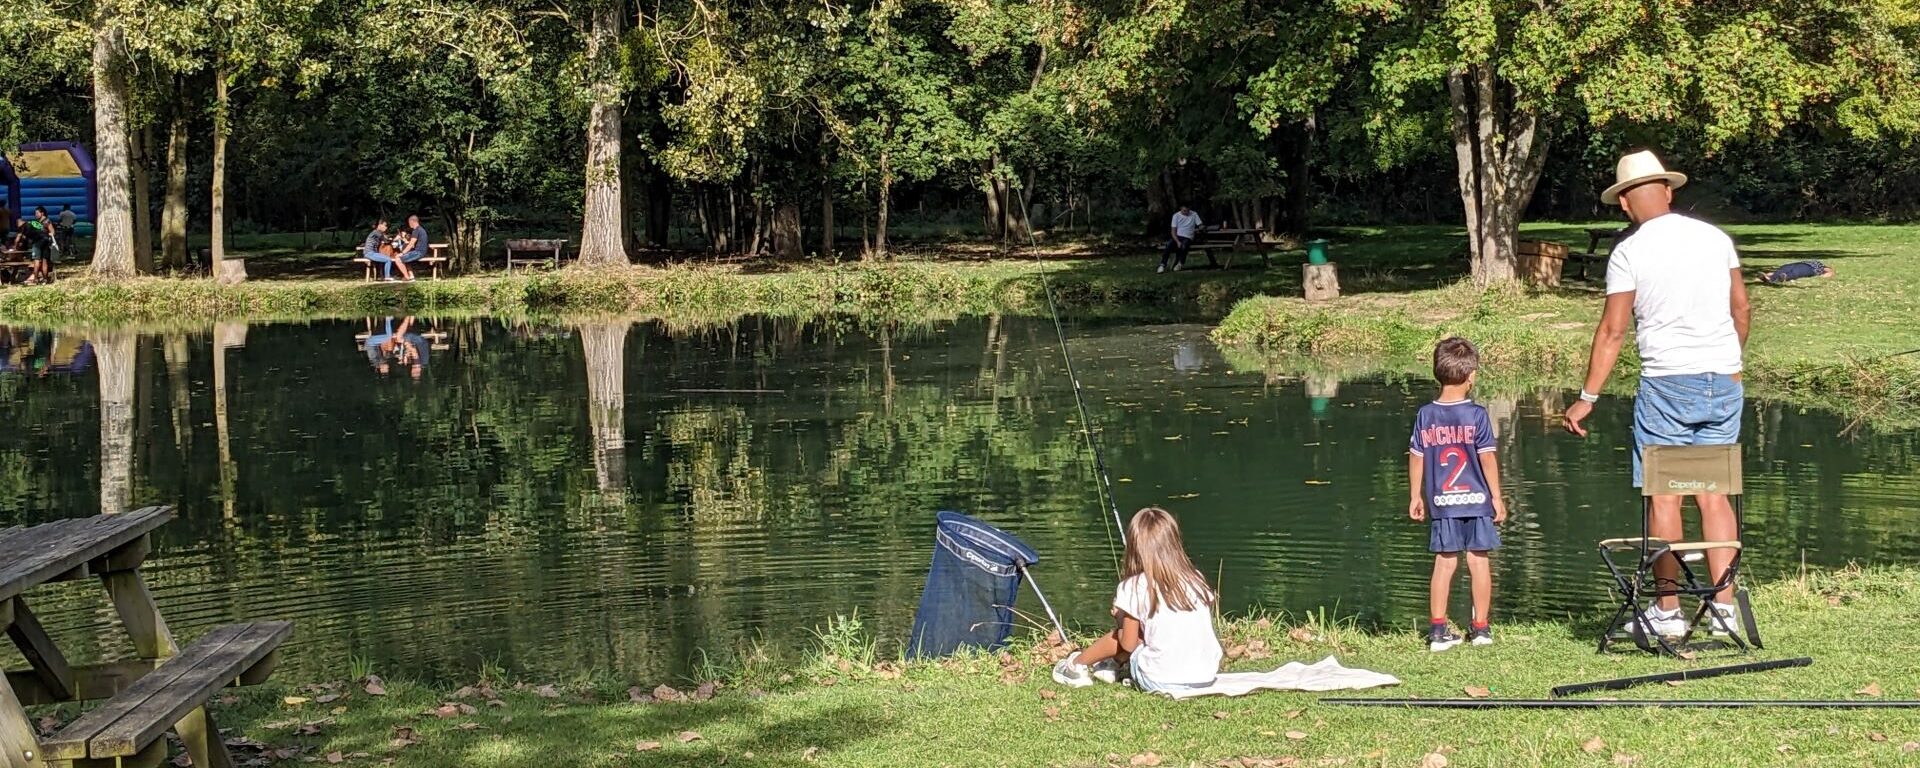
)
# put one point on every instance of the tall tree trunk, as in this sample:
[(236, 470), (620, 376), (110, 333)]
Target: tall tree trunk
[(113, 221), (224, 270), (603, 237), (826, 215), (1159, 207), (173, 211), (466, 243), (605, 345), (115, 354), (1018, 229), (879, 250), (142, 202), (787, 242), (1499, 152), (995, 191)]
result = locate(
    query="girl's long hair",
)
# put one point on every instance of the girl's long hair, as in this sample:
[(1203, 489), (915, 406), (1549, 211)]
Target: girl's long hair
[(1154, 551)]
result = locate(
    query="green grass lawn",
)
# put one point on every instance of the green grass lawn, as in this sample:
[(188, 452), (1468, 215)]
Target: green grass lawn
[(841, 708)]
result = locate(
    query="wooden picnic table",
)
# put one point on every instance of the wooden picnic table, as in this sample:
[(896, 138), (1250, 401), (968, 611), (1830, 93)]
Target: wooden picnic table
[(165, 687), (1596, 236), (529, 252), (1242, 239)]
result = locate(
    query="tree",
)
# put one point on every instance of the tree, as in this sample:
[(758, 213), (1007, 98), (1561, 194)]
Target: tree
[(1513, 72), (113, 220), (605, 347), (603, 239), (118, 360)]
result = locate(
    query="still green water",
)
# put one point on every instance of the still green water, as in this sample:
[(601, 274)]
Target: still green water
[(490, 498)]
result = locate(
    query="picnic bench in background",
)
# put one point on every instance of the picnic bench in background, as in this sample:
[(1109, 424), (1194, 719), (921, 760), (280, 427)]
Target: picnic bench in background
[(436, 256), (165, 687), (12, 259), (529, 252), (1243, 239), (1596, 236)]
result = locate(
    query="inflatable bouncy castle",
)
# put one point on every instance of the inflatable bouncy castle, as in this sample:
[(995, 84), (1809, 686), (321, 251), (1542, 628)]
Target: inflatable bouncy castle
[(51, 174)]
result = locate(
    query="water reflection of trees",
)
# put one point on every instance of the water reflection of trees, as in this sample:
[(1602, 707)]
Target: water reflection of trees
[(484, 514)]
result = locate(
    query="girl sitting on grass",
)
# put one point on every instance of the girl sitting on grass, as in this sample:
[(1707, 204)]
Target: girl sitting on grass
[(1164, 616)]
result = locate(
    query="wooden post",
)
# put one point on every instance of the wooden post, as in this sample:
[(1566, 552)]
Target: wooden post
[(1322, 281), (19, 747), (48, 664)]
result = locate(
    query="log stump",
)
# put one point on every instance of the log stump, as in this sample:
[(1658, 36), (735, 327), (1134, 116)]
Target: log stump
[(1322, 281)]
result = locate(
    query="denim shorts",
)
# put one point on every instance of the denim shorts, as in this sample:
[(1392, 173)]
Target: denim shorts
[(1462, 534), (1141, 681), (1690, 409)]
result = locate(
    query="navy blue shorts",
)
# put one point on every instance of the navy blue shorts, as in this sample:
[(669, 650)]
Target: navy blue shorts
[(1462, 534)]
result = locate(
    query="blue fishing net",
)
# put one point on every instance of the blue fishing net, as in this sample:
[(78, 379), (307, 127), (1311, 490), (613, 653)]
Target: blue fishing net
[(968, 600)]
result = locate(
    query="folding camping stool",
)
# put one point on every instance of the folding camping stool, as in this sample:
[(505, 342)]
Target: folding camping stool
[(1684, 470)]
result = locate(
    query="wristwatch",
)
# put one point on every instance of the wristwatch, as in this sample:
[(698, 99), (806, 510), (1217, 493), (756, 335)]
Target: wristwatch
[(1589, 396)]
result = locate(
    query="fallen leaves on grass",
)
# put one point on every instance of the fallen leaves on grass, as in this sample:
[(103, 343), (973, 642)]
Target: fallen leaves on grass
[(1145, 759), (1301, 635), (686, 737), (1434, 760), (1910, 746), (1258, 762), (646, 746), (336, 757), (294, 701), (1876, 736), (1593, 746), (546, 692), (705, 691), (1052, 713), (809, 754), (375, 686), (1478, 692), (637, 696), (1048, 694), (1622, 758), (1295, 735), (1220, 715), (1871, 689)]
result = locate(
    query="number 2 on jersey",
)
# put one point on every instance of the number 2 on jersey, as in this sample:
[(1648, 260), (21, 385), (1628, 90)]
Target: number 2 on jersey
[(1453, 458)]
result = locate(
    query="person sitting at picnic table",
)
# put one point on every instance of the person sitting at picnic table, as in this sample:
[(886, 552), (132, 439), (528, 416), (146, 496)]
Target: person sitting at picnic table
[(377, 248), (414, 240), (1180, 236), (1799, 270)]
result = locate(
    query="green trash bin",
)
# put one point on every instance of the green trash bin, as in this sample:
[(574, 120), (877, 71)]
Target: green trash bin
[(1316, 251)]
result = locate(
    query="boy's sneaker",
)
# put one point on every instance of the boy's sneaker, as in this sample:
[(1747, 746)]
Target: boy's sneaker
[(1105, 671), (1663, 623), (1071, 673), (1723, 620), (1162, 270), (1441, 637), (1480, 635)]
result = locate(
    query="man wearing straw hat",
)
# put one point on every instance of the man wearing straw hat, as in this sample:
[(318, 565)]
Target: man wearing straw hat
[(1676, 281)]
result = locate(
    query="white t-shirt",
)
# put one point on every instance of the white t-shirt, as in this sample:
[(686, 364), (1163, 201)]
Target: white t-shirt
[(1185, 223), (1680, 270), (1176, 647)]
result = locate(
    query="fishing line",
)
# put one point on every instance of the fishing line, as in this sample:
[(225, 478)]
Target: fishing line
[(1079, 400)]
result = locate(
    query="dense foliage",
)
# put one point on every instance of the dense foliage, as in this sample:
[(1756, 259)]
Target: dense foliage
[(770, 127)]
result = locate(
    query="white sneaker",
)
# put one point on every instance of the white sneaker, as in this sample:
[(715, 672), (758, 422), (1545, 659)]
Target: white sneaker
[(1664, 623), (1724, 619), (1106, 671), (1177, 267), (1161, 271), (1071, 673)]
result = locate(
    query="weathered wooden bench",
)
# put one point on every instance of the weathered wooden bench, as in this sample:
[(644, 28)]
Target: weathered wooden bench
[(163, 688), (531, 252), (132, 723)]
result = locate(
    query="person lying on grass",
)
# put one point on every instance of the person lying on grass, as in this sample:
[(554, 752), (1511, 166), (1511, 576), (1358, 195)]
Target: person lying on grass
[(1163, 614), (1799, 270)]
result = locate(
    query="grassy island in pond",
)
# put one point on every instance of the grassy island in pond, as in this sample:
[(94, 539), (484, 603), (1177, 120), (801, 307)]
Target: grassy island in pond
[(845, 706)]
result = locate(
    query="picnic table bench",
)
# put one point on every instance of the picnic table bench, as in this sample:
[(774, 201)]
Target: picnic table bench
[(530, 252), (1596, 236), (436, 256), (165, 687), (1243, 239)]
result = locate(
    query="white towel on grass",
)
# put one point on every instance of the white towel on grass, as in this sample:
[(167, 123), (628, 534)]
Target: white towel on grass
[(1324, 675)]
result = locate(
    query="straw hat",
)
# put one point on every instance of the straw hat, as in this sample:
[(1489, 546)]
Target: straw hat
[(1636, 169)]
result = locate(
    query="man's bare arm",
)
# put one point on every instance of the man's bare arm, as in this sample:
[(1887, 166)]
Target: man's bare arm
[(1742, 309)]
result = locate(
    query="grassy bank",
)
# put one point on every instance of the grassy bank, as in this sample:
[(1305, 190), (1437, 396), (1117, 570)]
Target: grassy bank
[(1833, 343), (842, 707), (910, 288)]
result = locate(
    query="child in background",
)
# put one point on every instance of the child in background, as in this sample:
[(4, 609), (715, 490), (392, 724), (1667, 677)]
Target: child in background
[(1164, 616), (1456, 487)]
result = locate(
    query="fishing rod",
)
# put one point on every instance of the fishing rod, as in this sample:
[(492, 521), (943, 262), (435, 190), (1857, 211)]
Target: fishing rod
[(1079, 400), (1629, 703)]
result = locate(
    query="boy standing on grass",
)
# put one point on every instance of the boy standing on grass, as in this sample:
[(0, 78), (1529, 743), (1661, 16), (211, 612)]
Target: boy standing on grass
[(1456, 487)]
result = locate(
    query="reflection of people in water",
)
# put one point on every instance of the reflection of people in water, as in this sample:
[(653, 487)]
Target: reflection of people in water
[(398, 346), (43, 352)]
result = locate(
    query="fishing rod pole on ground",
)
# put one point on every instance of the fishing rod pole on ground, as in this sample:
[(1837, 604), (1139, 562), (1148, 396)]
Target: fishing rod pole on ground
[(1079, 400)]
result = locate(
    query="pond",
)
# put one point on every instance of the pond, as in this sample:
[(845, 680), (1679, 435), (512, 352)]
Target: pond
[(474, 494)]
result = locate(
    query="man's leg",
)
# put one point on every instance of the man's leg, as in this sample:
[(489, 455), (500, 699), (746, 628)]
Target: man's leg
[(1667, 526), (1180, 261), (1717, 524), (1166, 251)]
